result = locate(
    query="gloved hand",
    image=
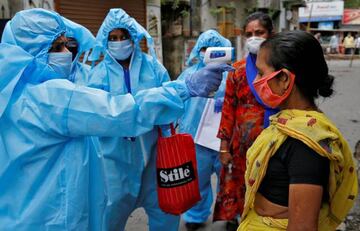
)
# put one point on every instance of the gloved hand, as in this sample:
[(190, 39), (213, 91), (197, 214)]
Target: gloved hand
[(218, 105), (207, 80)]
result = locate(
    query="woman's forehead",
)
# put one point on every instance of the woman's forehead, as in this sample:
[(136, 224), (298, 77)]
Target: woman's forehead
[(253, 26), (119, 31)]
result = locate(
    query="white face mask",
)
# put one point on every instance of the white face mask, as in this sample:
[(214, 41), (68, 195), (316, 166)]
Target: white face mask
[(121, 50), (253, 44), (61, 63)]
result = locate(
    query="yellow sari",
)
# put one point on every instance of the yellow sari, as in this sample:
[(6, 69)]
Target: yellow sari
[(319, 133)]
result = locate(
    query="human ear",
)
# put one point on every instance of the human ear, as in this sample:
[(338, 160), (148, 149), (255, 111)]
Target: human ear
[(285, 79)]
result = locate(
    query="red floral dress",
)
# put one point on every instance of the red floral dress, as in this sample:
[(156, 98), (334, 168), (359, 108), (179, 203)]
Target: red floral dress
[(241, 122)]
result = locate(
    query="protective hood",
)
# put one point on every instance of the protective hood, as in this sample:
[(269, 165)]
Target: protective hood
[(83, 36), (34, 30), (26, 41), (7, 36), (118, 18), (209, 38)]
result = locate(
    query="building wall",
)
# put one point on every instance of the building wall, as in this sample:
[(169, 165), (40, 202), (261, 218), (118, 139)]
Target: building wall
[(4, 9), (4, 14), (209, 19), (17, 5), (289, 14), (174, 55), (91, 13), (153, 23), (235, 23)]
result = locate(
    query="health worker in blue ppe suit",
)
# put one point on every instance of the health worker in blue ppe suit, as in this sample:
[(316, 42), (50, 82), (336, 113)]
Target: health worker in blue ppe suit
[(79, 42), (47, 177), (130, 162), (207, 158)]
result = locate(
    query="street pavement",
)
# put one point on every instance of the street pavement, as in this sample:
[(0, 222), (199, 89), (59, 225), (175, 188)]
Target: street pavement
[(343, 108)]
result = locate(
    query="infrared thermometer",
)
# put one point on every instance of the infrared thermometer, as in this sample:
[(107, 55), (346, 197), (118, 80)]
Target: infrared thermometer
[(219, 55)]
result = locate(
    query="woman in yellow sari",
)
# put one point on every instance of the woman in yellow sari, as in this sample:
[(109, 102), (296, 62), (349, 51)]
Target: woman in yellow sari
[(300, 172)]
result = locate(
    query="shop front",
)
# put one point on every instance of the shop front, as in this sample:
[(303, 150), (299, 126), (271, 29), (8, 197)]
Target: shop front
[(323, 19)]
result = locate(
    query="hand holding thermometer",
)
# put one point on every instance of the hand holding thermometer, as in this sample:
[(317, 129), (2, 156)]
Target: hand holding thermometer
[(219, 55)]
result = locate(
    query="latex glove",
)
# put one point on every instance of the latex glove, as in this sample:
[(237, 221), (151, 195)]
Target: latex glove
[(218, 105), (207, 80)]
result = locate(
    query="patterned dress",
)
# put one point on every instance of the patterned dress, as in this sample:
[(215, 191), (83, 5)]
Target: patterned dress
[(241, 122)]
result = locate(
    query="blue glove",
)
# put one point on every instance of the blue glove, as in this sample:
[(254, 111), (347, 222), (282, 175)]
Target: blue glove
[(218, 105), (207, 80)]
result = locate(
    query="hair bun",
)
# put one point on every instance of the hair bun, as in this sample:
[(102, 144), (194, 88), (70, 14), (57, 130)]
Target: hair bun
[(325, 88)]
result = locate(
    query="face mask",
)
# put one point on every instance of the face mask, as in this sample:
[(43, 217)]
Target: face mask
[(201, 56), (60, 62), (121, 50), (266, 94), (253, 44)]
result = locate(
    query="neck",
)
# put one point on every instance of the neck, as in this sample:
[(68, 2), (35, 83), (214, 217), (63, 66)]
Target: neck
[(297, 101)]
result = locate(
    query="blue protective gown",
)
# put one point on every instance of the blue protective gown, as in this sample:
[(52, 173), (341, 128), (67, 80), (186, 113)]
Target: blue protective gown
[(49, 173), (85, 40), (79, 75), (130, 163), (207, 159)]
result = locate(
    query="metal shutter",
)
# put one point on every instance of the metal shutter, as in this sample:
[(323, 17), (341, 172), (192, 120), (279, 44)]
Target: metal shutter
[(91, 13)]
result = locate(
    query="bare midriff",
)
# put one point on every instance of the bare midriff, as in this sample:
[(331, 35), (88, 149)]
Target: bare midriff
[(266, 208)]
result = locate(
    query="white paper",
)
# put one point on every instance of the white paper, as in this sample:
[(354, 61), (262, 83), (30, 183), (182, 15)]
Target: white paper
[(208, 127)]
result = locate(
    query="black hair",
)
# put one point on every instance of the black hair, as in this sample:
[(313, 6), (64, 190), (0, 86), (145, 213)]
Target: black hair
[(125, 31), (263, 18), (301, 53)]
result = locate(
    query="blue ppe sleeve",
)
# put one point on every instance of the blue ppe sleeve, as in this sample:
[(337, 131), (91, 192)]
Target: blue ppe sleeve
[(163, 105), (63, 108), (178, 87), (161, 72)]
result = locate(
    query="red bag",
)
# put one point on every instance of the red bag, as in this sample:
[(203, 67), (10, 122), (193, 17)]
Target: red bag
[(178, 186)]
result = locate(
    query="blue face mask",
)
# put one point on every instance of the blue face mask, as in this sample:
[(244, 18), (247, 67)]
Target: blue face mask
[(60, 62), (121, 50)]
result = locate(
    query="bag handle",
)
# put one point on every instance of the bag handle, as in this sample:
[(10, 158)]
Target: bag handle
[(172, 128)]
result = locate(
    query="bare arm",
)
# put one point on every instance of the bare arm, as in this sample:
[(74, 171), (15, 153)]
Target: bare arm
[(224, 144), (227, 120), (228, 110), (304, 207), (225, 157)]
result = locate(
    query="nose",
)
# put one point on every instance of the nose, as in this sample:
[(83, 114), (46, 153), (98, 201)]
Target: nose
[(253, 34)]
